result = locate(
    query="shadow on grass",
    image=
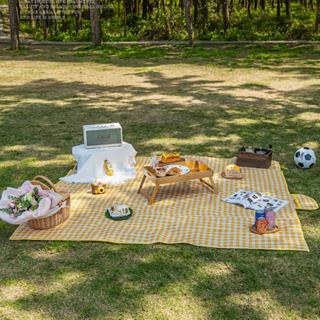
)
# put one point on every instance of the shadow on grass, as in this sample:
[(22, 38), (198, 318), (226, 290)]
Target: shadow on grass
[(302, 59), (90, 281), (184, 113)]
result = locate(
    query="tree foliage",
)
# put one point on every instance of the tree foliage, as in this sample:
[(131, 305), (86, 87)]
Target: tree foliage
[(69, 20)]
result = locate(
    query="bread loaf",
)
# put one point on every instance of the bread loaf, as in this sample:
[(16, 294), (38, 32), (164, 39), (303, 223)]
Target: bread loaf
[(170, 157)]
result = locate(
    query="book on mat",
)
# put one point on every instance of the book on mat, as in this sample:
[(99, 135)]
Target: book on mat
[(255, 200)]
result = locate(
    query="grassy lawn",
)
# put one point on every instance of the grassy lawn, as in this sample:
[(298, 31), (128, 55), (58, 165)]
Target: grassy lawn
[(210, 101)]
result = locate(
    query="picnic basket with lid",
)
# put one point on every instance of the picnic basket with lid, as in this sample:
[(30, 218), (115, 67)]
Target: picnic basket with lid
[(56, 218)]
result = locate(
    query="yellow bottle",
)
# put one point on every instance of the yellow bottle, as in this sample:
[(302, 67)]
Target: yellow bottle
[(108, 167)]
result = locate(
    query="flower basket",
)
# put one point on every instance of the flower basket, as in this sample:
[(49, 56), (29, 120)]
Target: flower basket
[(56, 218)]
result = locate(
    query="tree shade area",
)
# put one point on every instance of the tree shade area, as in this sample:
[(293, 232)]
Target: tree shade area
[(115, 20)]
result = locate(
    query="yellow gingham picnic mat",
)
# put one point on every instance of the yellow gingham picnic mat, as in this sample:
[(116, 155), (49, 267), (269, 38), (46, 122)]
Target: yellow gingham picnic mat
[(303, 202), (182, 213)]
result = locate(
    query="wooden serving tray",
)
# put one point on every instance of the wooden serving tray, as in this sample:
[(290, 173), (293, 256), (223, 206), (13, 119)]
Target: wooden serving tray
[(254, 230), (149, 173)]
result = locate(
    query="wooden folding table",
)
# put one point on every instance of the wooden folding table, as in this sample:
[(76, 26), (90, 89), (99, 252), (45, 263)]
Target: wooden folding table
[(149, 172)]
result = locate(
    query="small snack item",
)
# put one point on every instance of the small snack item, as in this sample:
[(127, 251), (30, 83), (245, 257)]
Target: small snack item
[(174, 171), (161, 171), (119, 212), (261, 225), (170, 157), (109, 170), (270, 218), (233, 172), (155, 164), (232, 166)]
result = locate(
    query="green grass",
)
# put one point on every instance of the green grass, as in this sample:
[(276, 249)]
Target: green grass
[(210, 101)]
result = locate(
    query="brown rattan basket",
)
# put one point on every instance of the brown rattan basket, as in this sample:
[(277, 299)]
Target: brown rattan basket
[(58, 217)]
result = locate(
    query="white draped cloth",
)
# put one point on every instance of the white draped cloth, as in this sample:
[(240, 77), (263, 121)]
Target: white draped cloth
[(90, 164)]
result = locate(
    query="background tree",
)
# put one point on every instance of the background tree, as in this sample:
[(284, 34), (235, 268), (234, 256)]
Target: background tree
[(204, 15), (317, 17), (187, 8), (14, 24), (225, 13), (78, 16), (125, 18), (288, 9), (169, 19), (95, 23)]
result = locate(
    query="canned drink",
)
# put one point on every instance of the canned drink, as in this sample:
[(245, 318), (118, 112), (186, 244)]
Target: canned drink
[(270, 216), (258, 214), (261, 225)]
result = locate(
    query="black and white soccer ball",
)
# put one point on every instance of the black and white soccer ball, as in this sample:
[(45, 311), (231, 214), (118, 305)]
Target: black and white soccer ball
[(305, 158)]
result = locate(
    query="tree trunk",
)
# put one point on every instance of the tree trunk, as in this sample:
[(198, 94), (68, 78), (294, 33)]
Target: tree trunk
[(249, 7), (61, 8), (78, 16), (31, 21), (125, 18), (263, 4), (38, 10), (204, 14), (14, 25), (316, 30), (19, 10), (195, 12), (288, 9), (135, 7), (168, 29), (225, 12), (144, 9), (95, 23), (187, 8), (53, 10), (311, 4), (44, 22), (278, 8)]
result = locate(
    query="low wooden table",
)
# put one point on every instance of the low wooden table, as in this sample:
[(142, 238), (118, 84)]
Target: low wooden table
[(150, 173)]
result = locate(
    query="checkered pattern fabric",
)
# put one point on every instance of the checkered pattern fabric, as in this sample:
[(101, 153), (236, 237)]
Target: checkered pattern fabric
[(185, 212), (302, 202)]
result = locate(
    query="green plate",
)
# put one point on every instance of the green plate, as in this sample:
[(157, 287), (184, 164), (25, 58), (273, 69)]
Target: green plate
[(120, 218)]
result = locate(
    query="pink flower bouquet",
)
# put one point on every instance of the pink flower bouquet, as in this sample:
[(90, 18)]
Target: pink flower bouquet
[(20, 205)]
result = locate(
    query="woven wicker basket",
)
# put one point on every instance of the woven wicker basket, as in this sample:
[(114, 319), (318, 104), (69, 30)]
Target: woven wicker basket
[(58, 217)]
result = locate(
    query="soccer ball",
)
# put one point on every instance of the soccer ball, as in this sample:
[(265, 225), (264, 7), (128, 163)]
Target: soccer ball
[(305, 158)]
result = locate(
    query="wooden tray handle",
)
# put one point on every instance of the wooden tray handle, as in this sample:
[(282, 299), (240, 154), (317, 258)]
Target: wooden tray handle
[(149, 174), (47, 180)]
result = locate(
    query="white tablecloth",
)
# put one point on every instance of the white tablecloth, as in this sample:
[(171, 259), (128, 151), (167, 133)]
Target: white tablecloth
[(90, 164)]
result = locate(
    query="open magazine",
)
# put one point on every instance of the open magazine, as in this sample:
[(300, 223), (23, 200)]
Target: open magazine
[(255, 200)]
